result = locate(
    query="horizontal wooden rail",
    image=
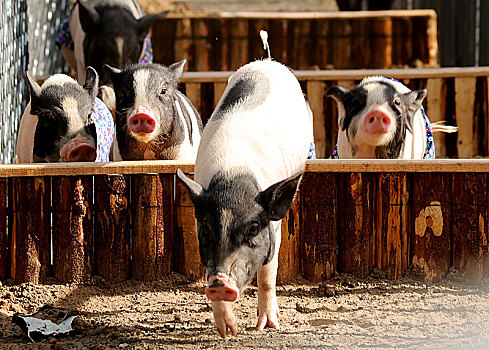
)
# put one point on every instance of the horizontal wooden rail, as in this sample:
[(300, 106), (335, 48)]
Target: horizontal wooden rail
[(171, 166)]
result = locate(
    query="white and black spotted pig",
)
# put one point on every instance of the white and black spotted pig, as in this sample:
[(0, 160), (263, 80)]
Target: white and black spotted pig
[(153, 119), (65, 122), (248, 168), (99, 32), (382, 118)]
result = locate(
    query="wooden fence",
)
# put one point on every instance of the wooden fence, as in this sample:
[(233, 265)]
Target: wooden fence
[(134, 220), (458, 96), (341, 40)]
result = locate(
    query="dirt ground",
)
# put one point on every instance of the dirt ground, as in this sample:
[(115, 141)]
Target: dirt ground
[(343, 313)]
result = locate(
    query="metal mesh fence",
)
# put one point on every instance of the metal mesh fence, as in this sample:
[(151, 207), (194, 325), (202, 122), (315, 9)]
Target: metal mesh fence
[(13, 63), (28, 29)]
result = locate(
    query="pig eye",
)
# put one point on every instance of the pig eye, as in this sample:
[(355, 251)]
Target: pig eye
[(253, 230), (163, 91)]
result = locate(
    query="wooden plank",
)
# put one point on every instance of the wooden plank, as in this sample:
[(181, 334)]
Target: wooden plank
[(392, 241), (341, 43), (289, 257), (112, 228), (315, 93), (3, 230), (319, 226), (277, 39), (239, 43), (201, 46), (182, 40), (309, 15), (72, 198), (436, 111), (31, 229), (218, 40), (356, 242), (469, 224), (303, 47), (193, 92), (432, 224), (432, 40), (381, 44), (465, 89), (187, 256), (218, 91), (152, 226), (163, 40), (361, 53), (255, 44), (323, 49)]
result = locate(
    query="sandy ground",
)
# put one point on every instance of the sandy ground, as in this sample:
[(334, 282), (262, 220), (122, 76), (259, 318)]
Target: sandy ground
[(343, 313)]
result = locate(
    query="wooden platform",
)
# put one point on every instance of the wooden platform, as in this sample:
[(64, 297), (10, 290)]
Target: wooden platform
[(458, 96), (349, 216), (340, 40)]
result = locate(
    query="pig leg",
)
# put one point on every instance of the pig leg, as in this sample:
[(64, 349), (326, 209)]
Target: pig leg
[(268, 313), (224, 317)]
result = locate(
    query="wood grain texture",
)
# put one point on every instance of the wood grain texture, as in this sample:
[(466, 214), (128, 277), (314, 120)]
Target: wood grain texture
[(464, 115), (319, 226), (432, 225), (3, 230), (356, 238), (239, 44), (437, 109), (288, 257), (201, 45), (469, 224), (187, 256), (393, 229), (72, 198), (112, 228), (31, 229), (152, 238), (315, 92), (382, 46)]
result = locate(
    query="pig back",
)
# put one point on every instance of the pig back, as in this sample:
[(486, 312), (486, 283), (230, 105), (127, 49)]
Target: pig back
[(261, 123)]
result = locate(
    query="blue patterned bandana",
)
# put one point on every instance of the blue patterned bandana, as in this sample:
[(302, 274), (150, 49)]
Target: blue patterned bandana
[(104, 124)]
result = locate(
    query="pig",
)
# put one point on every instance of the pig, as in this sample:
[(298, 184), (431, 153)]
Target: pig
[(99, 32), (153, 119), (381, 118), (249, 165), (65, 122)]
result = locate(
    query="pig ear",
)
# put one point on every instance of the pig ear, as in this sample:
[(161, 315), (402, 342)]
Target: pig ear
[(177, 68), (91, 82), (113, 72), (144, 23), (33, 87), (338, 93), (277, 199), (89, 17), (412, 102), (194, 189)]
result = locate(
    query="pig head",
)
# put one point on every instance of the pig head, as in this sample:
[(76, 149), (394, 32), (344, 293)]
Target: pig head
[(380, 118), (109, 32), (56, 126)]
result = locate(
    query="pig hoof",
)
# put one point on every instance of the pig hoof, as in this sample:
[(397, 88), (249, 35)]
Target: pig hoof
[(268, 317)]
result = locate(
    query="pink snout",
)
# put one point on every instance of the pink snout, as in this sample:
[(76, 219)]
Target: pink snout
[(142, 123), (82, 153), (377, 122), (221, 289)]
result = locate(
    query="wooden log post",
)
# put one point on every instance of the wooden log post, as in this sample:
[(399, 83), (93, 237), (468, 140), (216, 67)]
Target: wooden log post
[(315, 93), (432, 41), (361, 54), (323, 45), (465, 88), (436, 110), (72, 198), (469, 224), (152, 238), (200, 34), (3, 230), (392, 242), (31, 229), (432, 225), (183, 41), (357, 223), (382, 43), (319, 226), (187, 256), (289, 257), (112, 228), (341, 43)]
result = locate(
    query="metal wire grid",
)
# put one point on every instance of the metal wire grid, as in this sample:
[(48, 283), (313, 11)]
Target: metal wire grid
[(13, 63)]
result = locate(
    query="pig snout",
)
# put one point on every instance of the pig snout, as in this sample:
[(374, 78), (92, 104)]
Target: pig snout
[(82, 153), (377, 122), (221, 288), (142, 122)]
